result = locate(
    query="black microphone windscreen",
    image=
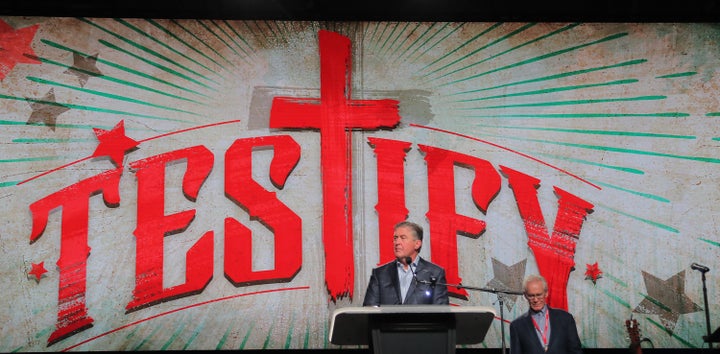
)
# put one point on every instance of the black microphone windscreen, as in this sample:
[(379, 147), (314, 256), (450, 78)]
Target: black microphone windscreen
[(699, 267)]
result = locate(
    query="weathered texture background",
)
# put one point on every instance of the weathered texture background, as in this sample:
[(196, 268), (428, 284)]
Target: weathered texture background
[(624, 116)]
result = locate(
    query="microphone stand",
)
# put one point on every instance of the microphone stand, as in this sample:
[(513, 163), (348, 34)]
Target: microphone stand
[(707, 310), (500, 294), (703, 269)]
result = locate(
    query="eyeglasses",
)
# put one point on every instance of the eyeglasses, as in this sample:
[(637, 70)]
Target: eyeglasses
[(534, 296)]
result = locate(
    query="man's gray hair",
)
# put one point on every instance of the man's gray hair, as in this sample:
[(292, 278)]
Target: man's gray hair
[(533, 278), (417, 229)]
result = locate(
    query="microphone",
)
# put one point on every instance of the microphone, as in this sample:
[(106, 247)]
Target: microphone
[(700, 267), (408, 261)]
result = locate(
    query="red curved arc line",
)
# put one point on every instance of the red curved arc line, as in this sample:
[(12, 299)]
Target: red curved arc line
[(505, 320), (151, 138), (507, 149), (190, 129), (181, 309), (54, 169)]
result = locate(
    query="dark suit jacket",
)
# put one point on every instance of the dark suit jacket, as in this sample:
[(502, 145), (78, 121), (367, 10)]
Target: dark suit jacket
[(384, 286), (563, 335)]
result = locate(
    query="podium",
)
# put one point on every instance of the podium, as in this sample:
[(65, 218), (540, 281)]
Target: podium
[(416, 329)]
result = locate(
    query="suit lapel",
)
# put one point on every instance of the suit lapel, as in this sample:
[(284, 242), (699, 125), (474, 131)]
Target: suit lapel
[(553, 324), (420, 269), (411, 290), (531, 327), (395, 281), (413, 285)]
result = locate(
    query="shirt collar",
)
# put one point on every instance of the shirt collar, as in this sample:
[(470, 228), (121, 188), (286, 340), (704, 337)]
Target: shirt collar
[(414, 263), (541, 312)]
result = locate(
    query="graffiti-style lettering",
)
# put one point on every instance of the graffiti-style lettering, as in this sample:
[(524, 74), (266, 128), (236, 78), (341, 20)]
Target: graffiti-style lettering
[(263, 206), (445, 222), (335, 114), (153, 225), (72, 316), (391, 206), (554, 255)]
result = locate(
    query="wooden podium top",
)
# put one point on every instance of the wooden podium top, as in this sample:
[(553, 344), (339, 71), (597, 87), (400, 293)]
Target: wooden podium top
[(351, 325)]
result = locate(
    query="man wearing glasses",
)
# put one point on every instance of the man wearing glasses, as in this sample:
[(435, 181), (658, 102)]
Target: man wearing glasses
[(543, 329)]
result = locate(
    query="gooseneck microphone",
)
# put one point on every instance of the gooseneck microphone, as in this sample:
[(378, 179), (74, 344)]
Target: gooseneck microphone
[(700, 267), (408, 261)]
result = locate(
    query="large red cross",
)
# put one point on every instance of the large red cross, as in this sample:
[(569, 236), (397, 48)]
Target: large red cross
[(335, 114)]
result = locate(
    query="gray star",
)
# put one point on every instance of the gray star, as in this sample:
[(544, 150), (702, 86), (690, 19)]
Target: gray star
[(666, 298), (508, 278), (46, 110), (84, 67)]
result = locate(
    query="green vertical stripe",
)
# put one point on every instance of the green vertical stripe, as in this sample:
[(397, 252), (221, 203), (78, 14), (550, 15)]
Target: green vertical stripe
[(416, 43), (194, 335), (405, 39), (382, 34), (437, 42), (461, 46), (223, 340), (291, 328), (237, 34), (268, 337), (146, 339), (247, 336), (174, 336), (383, 47)]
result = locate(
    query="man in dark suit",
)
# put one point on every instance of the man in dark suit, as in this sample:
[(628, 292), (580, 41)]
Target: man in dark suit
[(543, 329), (408, 279)]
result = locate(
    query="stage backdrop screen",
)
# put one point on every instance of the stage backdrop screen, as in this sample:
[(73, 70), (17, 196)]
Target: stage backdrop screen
[(197, 184)]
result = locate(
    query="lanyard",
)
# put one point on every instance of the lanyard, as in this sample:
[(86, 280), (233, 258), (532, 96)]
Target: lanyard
[(543, 333)]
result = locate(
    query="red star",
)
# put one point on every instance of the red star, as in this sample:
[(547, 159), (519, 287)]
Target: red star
[(114, 143), (38, 270), (15, 47), (593, 272)]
